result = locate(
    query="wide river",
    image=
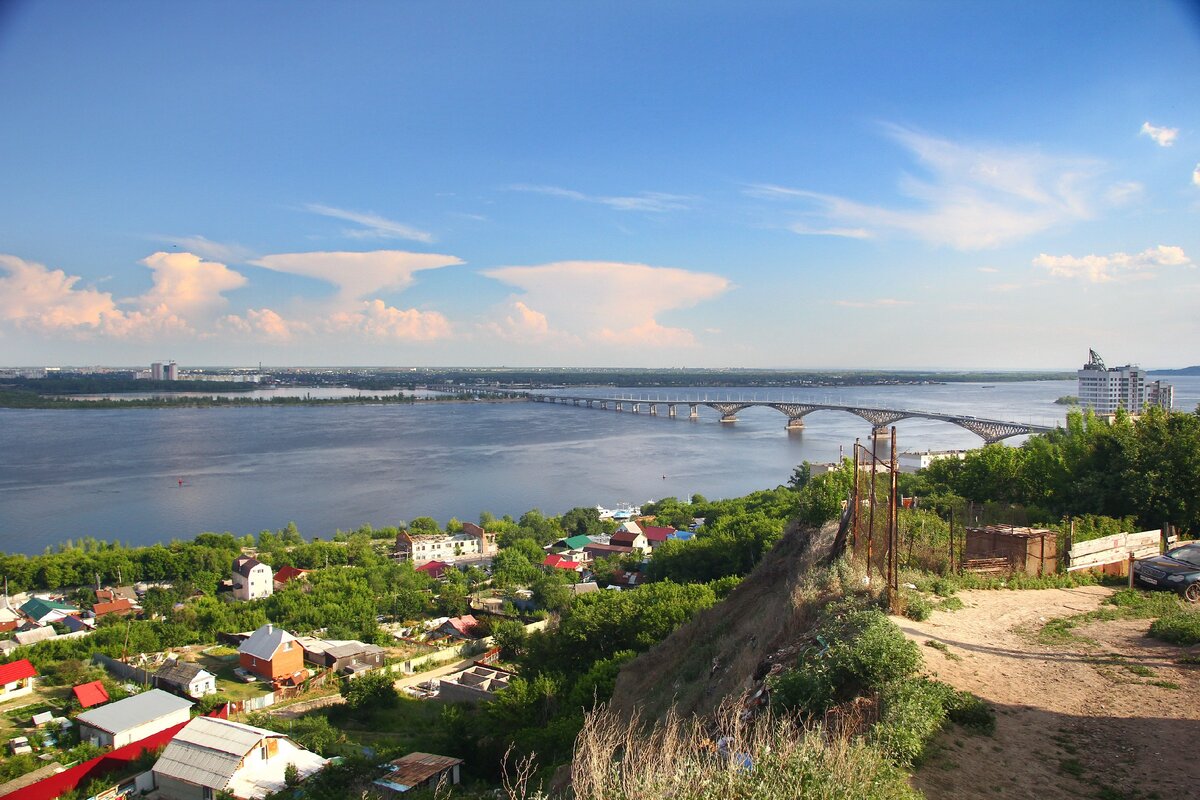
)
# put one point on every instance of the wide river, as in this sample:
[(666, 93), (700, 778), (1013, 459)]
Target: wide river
[(114, 473)]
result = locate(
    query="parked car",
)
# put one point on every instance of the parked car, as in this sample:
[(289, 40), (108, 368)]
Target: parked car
[(1178, 570)]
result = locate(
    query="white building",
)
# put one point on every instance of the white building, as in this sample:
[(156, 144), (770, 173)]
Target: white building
[(119, 723), (210, 756), (473, 543), (915, 461), (252, 579), (1106, 389)]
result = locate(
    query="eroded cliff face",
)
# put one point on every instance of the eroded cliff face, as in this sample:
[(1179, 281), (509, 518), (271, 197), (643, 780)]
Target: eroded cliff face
[(728, 650)]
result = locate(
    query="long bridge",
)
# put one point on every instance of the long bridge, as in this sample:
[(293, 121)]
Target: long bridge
[(990, 430)]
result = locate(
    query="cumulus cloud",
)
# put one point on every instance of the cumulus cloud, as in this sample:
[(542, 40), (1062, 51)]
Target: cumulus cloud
[(1163, 137), (36, 297), (187, 285), (1196, 175), (604, 302), (656, 202), (520, 323), (263, 324), (1114, 267), (971, 197), (358, 275), (186, 292), (377, 320), (372, 226), (883, 302)]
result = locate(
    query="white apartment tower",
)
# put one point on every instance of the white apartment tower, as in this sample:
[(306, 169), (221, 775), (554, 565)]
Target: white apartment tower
[(1106, 389)]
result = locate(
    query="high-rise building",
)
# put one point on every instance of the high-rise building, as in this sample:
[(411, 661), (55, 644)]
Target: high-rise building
[(172, 372), (156, 371), (1106, 389)]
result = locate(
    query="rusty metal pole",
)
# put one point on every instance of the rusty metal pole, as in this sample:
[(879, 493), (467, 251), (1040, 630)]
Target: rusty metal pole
[(857, 501), (871, 515), (952, 539), (893, 532)]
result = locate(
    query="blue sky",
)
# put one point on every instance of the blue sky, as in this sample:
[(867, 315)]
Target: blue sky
[(759, 184)]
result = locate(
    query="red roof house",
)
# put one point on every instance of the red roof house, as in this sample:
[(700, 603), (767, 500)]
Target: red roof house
[(461, 627), (120, 607), (558, 562), (434, 569), (285, 574), (16, 679), (606, 550), (90, 694), (656, 534)]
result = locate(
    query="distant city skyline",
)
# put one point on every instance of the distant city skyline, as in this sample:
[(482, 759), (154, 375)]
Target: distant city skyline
[(760, 184)]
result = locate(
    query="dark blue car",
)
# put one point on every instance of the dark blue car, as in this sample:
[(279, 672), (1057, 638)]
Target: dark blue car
[(1177, 569)]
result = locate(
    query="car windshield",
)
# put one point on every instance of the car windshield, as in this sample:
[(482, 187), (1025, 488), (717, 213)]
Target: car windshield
[(1188, 554)]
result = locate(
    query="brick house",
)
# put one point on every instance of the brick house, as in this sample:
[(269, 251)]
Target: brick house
[(272, 653)]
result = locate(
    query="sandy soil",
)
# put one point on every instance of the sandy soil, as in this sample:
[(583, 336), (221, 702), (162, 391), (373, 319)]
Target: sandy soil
[(1073, 720)]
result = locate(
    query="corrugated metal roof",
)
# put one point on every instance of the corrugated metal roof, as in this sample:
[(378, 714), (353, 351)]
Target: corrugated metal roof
[(265, 641), (16, 671), (209, 750), (133, 711), (414, 768), (222, 735)]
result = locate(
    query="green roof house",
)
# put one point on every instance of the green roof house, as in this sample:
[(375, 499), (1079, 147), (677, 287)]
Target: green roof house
[(43, 611)]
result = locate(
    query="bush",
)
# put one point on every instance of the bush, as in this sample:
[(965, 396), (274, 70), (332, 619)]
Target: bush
[(916, 606), (1178, 627), (867, 653), (910, 713)]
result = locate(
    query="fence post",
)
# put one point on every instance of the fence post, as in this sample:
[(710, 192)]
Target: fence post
[(1131, 570)]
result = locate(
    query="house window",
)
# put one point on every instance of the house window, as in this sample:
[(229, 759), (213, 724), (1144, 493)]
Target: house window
[(287, 646)]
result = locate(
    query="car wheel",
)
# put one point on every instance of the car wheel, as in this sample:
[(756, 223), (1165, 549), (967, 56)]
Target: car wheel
[(1192, 592)]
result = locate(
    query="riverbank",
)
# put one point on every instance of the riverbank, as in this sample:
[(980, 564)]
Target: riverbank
[(27, 400)]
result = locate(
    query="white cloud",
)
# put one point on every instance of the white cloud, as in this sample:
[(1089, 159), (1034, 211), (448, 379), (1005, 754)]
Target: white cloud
[(973, 196), (186, 285), (1114, 267), (604, 302), (263, 324), (373, 225), (1196, 175), (1004, 287), (845, 233), (377, 320), (1120, 194), (35, 297), (643, 201), (520, 323), (883, 302), (186, 292), (1164, 137), (988, 270), (358, 275)]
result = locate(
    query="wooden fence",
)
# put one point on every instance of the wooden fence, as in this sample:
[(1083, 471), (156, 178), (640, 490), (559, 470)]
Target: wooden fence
[(1115, 549)]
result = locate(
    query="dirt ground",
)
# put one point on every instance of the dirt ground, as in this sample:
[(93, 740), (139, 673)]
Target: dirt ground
[(1075, 720)]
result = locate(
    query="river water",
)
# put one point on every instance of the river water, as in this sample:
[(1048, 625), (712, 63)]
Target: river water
[(114, 473)]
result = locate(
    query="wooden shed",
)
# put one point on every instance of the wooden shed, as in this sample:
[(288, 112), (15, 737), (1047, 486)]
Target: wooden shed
[(1032, 551)]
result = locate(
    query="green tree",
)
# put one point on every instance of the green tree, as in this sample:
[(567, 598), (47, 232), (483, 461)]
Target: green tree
[(370, 692)]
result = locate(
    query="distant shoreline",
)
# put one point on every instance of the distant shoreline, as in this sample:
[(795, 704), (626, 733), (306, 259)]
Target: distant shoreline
[(37, 402)]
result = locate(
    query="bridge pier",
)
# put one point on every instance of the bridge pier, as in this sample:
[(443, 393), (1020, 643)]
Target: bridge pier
[(795, 424), (620, 406), (881, 444), (637, 408), (728, 418), (654, 409), (694, 413), (671, 411)]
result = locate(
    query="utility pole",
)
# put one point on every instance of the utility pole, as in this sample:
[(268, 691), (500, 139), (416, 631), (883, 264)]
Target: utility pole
[(893, 534), (857, 502), (871, 515)]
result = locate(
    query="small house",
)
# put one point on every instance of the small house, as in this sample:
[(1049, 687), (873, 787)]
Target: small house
[(460, 627), (41, 611), (90, 694), (17, 679), (252, 579), (121, 607), (185, 678), (570, 543), (272, 653), (354, 658), (418, 771), (287, 574), (434, 569), (634, 541), (607, 550), (656, 535), (211, 755), (555, 561), (134, 718)]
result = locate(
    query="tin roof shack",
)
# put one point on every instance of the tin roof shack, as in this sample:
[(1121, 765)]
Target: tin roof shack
[(1031, 551), (354, 658), (417, 770)]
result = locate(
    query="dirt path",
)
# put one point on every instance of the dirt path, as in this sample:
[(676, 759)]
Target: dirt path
[(1073, 720)]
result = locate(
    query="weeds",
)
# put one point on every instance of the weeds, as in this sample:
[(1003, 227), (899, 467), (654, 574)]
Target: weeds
[(1180, 626), (943, 649)]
